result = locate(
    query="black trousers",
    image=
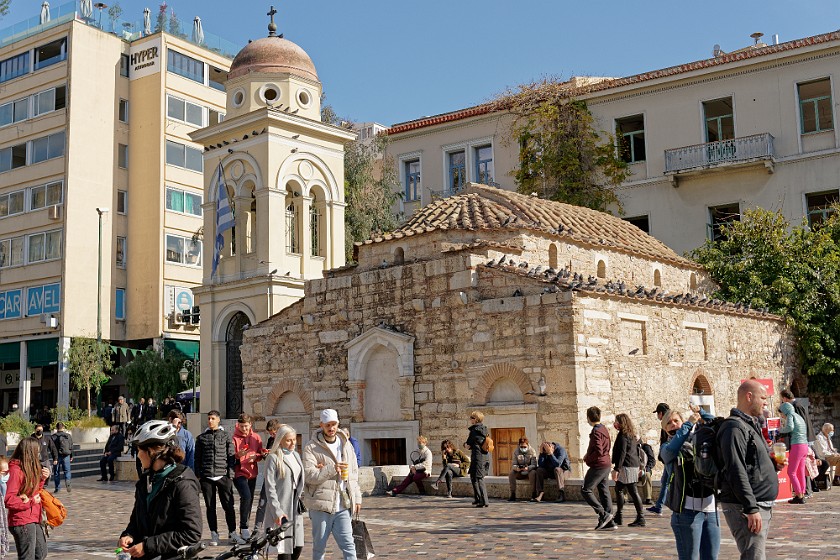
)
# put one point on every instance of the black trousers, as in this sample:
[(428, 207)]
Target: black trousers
[(224, 488), (30, 542), (479, 489), (631, 489), (107, 461)]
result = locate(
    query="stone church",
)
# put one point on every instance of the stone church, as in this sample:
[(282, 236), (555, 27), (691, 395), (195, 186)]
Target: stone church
[(526, 309)]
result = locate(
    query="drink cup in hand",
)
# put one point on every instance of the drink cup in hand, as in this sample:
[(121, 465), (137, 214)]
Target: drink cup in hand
[(345, 470), (779, 450)]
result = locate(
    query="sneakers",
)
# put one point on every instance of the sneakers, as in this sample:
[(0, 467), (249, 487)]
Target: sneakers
[(434, 485), (389, 493), (236, 538), (214, 538), (655, 511), (449, 495), (246, 534), (639, 522), (604, 521), (617, 519), (611, 526), (561, 496), (796, 500), (67, 485)]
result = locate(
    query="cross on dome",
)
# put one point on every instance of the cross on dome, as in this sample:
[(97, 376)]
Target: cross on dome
[(272, 27)]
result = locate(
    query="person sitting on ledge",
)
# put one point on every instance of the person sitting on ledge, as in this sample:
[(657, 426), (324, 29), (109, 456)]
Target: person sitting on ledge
[(420, 468), (455, 463), (524, 467), (553, 460)]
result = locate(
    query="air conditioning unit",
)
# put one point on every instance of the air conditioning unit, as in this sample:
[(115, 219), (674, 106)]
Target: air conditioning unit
[(55, 212)]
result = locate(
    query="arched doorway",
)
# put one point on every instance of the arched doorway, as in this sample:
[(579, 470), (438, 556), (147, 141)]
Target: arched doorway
[(233, 360)]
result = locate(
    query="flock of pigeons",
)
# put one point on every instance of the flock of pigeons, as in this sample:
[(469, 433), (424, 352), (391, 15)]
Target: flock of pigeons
[(575, 281)]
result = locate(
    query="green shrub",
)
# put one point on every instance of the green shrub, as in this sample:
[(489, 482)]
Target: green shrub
[(75, 418), (15, 423)]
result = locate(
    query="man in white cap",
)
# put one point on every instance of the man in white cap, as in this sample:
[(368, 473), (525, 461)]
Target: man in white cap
[(332, 487)]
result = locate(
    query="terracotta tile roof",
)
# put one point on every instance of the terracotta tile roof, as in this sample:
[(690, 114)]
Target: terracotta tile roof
[(707, 63), (592, 286), (481, 207)]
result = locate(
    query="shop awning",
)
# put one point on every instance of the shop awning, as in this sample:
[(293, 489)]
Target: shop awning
[(42, 352), (189, 348), (10, 353)]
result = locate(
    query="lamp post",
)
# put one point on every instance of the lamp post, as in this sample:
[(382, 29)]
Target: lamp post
[(186, 369), (99, 211)]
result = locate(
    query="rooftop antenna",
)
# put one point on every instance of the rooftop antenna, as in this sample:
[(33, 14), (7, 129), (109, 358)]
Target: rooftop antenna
[(756, 37)]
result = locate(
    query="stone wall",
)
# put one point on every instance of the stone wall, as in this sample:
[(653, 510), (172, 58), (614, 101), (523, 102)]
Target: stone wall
[(477, 345)]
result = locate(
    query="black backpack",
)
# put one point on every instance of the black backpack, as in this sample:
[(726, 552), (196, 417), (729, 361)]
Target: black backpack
[(62, 442), (707, 460)]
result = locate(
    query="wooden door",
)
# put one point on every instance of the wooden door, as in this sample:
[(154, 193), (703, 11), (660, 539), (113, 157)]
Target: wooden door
[(388, 451), (506, 441)]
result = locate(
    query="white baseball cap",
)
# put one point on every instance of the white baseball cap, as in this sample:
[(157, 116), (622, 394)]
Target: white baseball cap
[(329, 415)]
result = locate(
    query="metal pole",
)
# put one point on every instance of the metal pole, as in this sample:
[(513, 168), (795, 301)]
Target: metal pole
[(99, 284), (194, 368)]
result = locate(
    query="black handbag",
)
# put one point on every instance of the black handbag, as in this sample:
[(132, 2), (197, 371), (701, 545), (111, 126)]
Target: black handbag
[(301, 508), (361, 538)]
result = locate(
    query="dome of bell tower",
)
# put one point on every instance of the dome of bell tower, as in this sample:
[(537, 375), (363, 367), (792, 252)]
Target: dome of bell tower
[(273, 54)]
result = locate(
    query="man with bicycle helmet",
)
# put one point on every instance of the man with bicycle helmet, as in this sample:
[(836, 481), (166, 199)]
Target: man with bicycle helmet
[(167, 514)]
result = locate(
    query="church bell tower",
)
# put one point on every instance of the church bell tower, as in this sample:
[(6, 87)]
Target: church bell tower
[(273, 204)]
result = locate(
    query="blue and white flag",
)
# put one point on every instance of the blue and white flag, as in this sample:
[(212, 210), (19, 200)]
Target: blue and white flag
[(224, 219)]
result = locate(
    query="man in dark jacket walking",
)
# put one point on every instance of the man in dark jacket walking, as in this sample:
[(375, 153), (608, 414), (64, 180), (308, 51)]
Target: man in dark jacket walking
[(113, 449), (214, 460), (748, 481), (597, 458), (49, 454), (64, 445)]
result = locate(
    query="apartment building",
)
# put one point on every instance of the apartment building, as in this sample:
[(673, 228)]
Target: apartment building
[(704, 141), (101, 194)]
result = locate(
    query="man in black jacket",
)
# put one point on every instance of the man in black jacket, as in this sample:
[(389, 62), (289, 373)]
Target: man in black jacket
[(49, 453), (748, 480), (113, 449), (214, 460)]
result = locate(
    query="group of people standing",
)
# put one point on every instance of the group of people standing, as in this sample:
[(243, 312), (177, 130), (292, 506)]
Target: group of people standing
[(322, 481)]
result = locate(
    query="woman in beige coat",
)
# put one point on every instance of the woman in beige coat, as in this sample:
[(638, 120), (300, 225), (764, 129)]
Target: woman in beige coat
[(284, 487)]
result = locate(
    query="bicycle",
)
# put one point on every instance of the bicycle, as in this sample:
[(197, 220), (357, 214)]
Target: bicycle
[(252, 549)]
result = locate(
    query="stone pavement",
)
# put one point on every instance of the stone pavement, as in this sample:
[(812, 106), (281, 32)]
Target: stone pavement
[(409, 527)]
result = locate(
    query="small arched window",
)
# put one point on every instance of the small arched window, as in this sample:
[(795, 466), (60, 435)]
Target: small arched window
[(692, 281), (292, 226), (552, 255), (602, 269), (399, 256), (657, 278)]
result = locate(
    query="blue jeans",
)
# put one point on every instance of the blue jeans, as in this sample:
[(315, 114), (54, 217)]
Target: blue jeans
[(337, 524), (663, 486), (63, 465), (697, 534)]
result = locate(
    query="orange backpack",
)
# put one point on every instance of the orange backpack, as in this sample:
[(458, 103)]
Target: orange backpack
[(54, 511)]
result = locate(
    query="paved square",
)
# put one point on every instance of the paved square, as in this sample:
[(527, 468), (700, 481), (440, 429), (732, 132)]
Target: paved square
[(410, 527)]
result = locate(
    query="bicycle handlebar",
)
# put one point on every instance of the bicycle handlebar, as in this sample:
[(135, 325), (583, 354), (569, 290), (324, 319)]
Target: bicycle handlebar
[(187, 552)]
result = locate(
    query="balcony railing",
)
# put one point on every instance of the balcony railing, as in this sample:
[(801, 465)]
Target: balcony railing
[(737, 150)]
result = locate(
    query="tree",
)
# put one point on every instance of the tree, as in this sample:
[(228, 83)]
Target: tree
[(154, 374), (4, 7), (370, 179), (160, 24), (561, 155), (174, 24), (114, 13), (89, 362), (792, 271)]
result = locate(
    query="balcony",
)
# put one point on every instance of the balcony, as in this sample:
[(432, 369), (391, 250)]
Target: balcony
[(748, 150)]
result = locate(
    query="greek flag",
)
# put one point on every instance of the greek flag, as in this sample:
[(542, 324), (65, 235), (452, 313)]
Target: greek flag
[(224, 219)]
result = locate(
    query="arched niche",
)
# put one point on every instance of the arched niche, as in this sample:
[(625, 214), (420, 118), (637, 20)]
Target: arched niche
[(399, 255), (380, 365), (657, 278), (506, 391), (602, 269), (552, 256), (701, 392)]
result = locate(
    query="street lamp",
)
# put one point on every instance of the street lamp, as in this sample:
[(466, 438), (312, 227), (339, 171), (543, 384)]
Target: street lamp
[(99, 211), (186, 369)]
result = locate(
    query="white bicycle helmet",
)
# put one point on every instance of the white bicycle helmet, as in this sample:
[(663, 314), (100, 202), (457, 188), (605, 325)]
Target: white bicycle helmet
[(155, 432)]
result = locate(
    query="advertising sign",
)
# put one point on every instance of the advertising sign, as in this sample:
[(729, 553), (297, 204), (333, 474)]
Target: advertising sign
[(43, 299), (145, 59), (768, 384), (10, 304)]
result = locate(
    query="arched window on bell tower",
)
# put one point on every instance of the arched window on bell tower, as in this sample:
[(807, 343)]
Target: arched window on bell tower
[(292, 219), (316, 223), (249, 233)]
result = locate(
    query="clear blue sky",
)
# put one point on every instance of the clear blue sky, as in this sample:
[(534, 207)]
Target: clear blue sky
[(396, 60)]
